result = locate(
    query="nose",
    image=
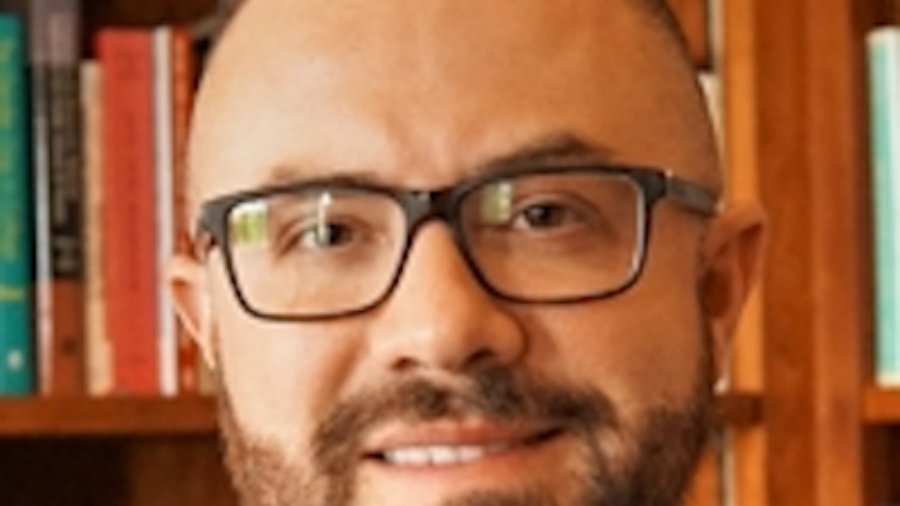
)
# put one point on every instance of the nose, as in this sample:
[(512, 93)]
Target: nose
[(439, 317)]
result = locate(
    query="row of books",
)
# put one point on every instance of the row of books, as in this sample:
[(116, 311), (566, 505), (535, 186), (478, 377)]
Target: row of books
[(92, 206), (136, 103)]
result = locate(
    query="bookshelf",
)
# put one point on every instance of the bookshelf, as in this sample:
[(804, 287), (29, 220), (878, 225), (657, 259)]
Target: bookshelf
[(831, 436), (808, 425), (107, 418)]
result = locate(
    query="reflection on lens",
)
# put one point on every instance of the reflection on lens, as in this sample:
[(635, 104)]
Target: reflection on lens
[(560, 235), (315, 251)]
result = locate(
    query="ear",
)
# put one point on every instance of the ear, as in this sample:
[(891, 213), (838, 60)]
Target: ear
[(187, 281), (733, 251)]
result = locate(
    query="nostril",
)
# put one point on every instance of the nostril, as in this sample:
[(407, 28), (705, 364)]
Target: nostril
[(481, 358), (405, 364)]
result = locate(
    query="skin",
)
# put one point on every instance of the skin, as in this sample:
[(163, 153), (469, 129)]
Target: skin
[(422, 95)]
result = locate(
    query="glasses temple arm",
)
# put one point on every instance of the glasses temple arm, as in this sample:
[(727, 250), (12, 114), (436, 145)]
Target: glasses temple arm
[(692, 196)]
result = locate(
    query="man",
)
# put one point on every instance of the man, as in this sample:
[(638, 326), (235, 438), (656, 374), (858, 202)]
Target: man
[(460, 253)]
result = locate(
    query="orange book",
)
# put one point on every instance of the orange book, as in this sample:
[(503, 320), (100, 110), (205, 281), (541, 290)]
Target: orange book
[(129, 214)]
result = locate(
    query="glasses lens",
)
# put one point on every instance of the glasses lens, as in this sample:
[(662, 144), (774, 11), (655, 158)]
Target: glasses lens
[(315, 251), (555, 236)]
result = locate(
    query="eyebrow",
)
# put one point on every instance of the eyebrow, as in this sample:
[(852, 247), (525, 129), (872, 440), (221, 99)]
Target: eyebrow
[(284, 175), (557, 147), (545, 150)]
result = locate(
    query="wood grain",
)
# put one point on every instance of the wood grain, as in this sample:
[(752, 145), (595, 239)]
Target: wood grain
[(106, 417), (882, 406), (740, 76), (812, 169)]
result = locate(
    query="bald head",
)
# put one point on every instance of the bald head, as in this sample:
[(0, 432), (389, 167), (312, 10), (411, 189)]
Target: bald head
[(424, 92), (315, 107)]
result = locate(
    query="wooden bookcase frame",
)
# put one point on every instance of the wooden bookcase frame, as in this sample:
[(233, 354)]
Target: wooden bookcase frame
[(798, 123)]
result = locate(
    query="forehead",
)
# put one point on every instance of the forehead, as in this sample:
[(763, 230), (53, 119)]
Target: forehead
[(421, 92)]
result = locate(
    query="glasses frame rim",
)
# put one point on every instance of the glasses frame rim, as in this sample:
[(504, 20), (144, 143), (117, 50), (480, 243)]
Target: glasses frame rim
[(422, 206)]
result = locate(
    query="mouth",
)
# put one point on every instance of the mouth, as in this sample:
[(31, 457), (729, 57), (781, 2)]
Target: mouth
[(432, 448)]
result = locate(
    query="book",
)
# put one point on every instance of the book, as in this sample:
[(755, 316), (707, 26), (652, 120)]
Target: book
[(883, 52), (55, 41), (98, 350), (129, 212), (16, 351), (164, 159)]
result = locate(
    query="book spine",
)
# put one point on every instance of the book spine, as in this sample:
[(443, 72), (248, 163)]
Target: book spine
[(129, 215), (883, 47), (183, 74), (16, 353), (165, 245), (97, 346), (55, 43)]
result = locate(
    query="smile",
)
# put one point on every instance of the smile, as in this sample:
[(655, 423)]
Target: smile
[(456, 447)]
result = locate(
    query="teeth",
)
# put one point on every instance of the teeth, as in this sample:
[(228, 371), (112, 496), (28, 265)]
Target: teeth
[(441, 455)]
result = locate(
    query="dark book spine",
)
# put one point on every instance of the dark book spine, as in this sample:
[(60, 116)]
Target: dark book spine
[(58, 192)]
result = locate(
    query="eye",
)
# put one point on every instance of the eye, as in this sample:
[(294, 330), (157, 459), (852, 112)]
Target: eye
[(546, 216), (325, 236), (309, 237)]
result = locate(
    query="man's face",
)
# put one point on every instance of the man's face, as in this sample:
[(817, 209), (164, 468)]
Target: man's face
[(444, 394)]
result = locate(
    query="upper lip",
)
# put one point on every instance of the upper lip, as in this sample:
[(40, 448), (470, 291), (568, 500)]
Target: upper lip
[(454, 433)]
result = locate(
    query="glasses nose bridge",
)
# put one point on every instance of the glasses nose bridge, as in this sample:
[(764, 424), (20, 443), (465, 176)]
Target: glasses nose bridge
[(424, 206)]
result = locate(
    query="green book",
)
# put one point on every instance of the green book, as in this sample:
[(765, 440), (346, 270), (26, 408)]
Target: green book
[(16, 340), (883, 47)]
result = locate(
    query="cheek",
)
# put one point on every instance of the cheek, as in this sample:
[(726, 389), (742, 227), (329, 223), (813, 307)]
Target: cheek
[(642, 347), (281, 377)]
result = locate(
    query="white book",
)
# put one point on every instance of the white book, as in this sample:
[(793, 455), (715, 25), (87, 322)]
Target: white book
[(165, 222), (98, 347)]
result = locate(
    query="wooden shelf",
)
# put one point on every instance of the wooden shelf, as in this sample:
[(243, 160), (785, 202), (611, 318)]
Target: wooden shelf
[(881, 406), (31, 417), (192, 416)]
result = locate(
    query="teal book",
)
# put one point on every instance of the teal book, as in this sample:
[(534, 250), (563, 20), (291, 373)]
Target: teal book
[(16, 340), (883, 48)]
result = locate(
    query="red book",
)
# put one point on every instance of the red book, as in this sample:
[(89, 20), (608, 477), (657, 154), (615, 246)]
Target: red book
[(129, 219)]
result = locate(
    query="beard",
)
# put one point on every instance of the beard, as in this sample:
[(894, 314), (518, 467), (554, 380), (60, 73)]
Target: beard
[(659, 456)]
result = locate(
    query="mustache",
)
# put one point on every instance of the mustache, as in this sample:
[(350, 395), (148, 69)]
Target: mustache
[(495, 394)]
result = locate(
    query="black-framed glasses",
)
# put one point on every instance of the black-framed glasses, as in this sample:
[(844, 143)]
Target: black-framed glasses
[(327, 249)]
